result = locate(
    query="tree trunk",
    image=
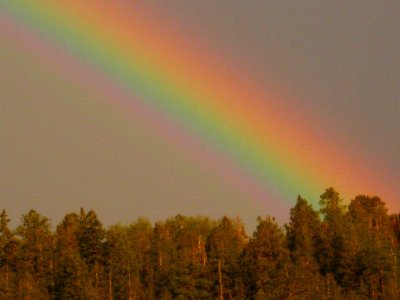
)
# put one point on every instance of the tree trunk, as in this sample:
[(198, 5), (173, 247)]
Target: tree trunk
[(110, 292), (221, 288), (129, 283), (7, 280)]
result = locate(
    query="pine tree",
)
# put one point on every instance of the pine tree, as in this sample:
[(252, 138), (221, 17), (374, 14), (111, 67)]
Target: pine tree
[(303, 234), (129, 268), (225, 246), (189, 280), (91, 237), (163, 254), (334, 231), (8, 249), (266, 261), (376, 267), (118, 254), (395, 222), (71, 276), (350, 254), (304, 237), (140, 235), (35, 257)]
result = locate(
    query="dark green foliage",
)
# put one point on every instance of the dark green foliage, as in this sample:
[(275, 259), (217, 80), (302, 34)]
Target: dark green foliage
[(266, 262), (304, 238), (71, 276), (180, 259), (225, 246), (35, 257), (303, 234), (91, 237), (128, 260), (376, 256), (339, 252), (333, 235), (8, 259)]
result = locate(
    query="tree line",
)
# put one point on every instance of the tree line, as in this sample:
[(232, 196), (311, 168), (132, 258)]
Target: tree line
[(338, 252)]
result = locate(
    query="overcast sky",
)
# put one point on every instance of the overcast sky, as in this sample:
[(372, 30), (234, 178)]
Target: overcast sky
[(338, 63)]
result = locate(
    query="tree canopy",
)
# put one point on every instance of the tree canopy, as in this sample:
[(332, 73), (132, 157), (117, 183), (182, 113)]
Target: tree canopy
[(337, 252)]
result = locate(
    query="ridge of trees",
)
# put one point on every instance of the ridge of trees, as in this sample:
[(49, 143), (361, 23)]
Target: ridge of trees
[(338, 252)]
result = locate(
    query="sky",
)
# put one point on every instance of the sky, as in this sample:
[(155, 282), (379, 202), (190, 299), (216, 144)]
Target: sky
[(65, 144)]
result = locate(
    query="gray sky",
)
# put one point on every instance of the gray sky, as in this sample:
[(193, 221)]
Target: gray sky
[(337, 61)]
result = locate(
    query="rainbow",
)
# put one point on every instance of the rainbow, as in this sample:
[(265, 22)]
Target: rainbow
[(195, 98)]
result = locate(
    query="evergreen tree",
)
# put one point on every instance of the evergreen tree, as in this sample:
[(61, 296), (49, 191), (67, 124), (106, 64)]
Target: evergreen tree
[(35, 257), (348, 254), (190, 276), (335, 227), (140, 235), (128, 251), (8, 249), (304, 236), (119, 261), (376, 257), (163, 257), (266, 261), (225, 246), (72, 279), (395, 221), (91, 237)]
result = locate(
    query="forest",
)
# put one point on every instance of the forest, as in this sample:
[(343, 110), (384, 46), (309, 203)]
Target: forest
[(336, 252)]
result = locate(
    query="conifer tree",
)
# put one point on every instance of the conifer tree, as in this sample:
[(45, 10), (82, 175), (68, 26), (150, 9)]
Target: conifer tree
[(8, 248), (91, 237), (266, 262), (303, 234), (334, 232), (164, 255), (376, 257), (190, 277), (304, 237), (351, 253), (225, 245), (72, 280), (35, 257), (140, 235), (128, 255)]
